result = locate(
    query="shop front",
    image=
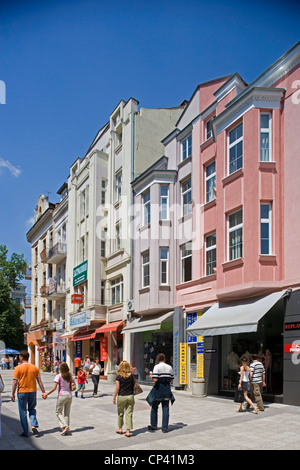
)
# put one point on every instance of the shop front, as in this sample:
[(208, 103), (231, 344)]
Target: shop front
[(150, 335), (232, 330)]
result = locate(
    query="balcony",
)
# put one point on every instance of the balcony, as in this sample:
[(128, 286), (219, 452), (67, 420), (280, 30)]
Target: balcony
[(27, 302), (56, 291), (28, 273), (57, 253)]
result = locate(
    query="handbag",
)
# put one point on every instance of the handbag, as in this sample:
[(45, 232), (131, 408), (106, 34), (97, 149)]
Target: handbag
[(239, 396), (73, 386), (137, 389), (2, 387)]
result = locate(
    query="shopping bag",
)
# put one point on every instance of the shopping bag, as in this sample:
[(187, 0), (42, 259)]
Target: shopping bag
[(239, 396)]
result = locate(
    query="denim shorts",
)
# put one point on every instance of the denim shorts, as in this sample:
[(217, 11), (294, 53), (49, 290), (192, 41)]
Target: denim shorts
[(81, 386)]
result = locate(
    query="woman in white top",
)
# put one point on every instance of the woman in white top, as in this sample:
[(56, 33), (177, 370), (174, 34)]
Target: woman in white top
[(96, 369), (244, 384)]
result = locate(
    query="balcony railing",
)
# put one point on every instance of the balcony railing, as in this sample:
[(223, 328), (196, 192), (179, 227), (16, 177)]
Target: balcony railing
[(56, 290), (44, 290), (44, 255), (57, 253)]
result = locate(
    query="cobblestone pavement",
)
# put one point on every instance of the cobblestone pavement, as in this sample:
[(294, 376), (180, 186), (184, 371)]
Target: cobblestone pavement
[(209, 423)]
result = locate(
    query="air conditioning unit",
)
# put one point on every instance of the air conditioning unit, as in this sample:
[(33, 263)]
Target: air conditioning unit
[(130, 306)]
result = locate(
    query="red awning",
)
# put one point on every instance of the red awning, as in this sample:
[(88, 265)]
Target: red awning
[(81, 336), (109, 327)]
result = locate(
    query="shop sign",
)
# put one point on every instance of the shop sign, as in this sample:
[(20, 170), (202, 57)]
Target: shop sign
[(200, 360), (191, 318), (59, 326), (78, 348), (80, 319), (292, 348), (51, 286), (76, 299), (291, 326), (58, 341), (183, 365), (104, 349), (80, 273)]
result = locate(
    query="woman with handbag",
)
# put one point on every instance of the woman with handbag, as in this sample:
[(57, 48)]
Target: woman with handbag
[(125, 392), (244, 384), (66, 384)]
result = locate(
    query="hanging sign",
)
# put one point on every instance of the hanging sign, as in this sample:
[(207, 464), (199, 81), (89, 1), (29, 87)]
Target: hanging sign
[(183, 364), (104, 349)]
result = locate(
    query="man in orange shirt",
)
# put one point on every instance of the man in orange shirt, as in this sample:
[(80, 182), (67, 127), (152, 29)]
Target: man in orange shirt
[(24, 379), (77, 362)]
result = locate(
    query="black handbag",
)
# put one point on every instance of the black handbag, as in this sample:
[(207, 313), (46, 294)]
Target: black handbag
[(239, 396)]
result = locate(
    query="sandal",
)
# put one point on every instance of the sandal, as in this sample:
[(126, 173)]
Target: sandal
[(119, 432), (66, 429)]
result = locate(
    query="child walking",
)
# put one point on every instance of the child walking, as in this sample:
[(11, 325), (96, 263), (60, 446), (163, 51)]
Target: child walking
[(81, 381)]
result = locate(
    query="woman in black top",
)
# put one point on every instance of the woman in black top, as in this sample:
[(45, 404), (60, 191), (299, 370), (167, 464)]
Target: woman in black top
[(124, 391)]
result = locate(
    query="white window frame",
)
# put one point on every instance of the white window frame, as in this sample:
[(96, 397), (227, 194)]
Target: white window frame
[(116, 287), (210, 195), (164, 203), (146, 268), (188, 247), (234, 144), (164, 266), (146, 208), (268, 222), (264, 130), (231, 230), (186, 147), (208, 132), (118, 186), (118, 236), (185, 193), (209, 269)]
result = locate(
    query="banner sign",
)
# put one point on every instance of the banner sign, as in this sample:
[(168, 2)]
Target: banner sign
[(104, 349), (183, 365), (80, 273), (80, 319)]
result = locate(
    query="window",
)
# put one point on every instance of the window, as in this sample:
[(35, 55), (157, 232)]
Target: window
[(235, 148), (164, 265), (164, 202), (103, 248), (210, 182), (103, 191), (186, 262), (186, 148), (118, 186), (208, 128), (210, 254), (146, 269), (146, 207), (265, 229), (84, 195), (119, 138), (102, 300), (118, 236), (117, 290), (82, 249), (186, 196), (235, 235), (265, 137)]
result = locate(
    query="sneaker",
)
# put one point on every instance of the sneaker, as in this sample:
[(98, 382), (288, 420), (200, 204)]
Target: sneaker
[(76, 394), (164, 430), (151, 428), (82, 397), (35, 431)]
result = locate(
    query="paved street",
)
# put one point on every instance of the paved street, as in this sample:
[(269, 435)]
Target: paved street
[(195, 424)]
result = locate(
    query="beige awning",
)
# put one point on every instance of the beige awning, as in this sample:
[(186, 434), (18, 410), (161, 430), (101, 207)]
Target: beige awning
[(147, 324)]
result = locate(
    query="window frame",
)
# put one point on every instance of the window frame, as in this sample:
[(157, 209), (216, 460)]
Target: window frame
[(268, 222), (162, 261), (119, 181), (146, 208), (234, 144), (182, 261), (117, 284), (145, 266), (186, 147), (209, 272), (208, 133), (207, 179), (264, 130), (165, 198), (184, 194), (230, 230)]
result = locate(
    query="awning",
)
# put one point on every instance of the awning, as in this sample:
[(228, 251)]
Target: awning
[(81, 336), (69, 334), (147, 324), (110, 327), (225, 318)]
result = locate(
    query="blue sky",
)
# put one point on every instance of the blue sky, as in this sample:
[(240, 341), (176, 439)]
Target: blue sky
[(66, 65)]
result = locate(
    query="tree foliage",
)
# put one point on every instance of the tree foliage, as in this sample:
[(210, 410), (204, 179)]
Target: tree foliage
[(11, 324)]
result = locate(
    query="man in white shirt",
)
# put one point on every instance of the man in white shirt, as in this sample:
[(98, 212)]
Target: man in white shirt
[(161, 393)]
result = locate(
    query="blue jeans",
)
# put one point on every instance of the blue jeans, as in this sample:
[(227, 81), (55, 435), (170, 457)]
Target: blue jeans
[(165, 414), (27, 400)]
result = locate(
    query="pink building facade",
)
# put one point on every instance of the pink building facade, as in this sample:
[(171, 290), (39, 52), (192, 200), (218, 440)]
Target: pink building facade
[(216, 258)]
